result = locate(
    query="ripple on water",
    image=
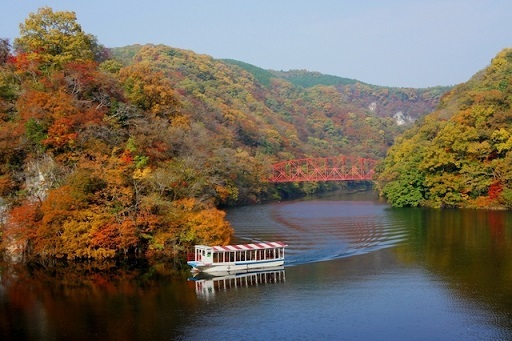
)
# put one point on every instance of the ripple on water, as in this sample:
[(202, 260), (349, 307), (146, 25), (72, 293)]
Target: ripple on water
[(319, 230)]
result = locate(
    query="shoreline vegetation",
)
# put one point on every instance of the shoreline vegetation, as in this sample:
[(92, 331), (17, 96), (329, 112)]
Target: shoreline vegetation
[(460, 155), (109, 154)]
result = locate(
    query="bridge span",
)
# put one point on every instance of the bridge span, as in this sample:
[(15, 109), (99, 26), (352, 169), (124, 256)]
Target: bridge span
[(339, 168)]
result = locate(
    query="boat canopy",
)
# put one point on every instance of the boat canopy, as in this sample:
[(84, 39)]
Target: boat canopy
[(242, 247)]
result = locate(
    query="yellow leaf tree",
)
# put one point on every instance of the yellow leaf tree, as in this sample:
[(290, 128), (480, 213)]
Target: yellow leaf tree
[(54, 38)]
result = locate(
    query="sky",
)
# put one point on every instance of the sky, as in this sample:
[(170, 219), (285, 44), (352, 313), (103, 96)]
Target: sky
[(401, 43)]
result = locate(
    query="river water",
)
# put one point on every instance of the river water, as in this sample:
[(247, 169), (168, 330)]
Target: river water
[(356, 269)]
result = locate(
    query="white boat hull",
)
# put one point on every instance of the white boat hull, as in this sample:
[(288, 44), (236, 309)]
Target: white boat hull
[(231, 267)]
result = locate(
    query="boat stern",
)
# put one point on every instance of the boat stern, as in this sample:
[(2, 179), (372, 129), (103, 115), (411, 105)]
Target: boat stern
[(196, 266)]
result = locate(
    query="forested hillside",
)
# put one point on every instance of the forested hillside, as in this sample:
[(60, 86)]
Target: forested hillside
[(461, 154), (279, 119), (130, 151), (404, 105)]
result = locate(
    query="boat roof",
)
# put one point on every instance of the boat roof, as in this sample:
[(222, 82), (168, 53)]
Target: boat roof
[(242, 247)]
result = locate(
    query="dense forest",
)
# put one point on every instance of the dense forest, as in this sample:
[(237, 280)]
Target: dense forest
[(460, 155), (109, 153), (405, 105)]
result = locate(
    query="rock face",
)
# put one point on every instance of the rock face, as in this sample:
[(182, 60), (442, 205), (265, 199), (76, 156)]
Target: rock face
[(402, 119), (40, 177)]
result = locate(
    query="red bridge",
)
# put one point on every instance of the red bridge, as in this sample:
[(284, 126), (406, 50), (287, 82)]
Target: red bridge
[(340, 168)]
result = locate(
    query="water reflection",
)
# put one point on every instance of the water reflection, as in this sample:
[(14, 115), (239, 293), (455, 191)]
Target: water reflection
[(207, 286), (469, 249), (361, 270), (92, 301), (467, 252)]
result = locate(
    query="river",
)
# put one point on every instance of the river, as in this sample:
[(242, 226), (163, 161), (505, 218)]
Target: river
[(356, 269)]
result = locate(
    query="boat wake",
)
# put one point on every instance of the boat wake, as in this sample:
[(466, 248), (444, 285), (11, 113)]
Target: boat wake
[(319, 230)]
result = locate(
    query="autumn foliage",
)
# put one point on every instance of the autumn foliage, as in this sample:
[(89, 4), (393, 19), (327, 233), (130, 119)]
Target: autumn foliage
[(461, 154), (111, 153), (86, 152)]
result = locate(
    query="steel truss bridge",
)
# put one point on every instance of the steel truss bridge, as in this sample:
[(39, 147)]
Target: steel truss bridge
[(339, 168)]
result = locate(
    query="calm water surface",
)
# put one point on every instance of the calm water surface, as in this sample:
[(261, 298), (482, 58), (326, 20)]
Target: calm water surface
[(356, 269)]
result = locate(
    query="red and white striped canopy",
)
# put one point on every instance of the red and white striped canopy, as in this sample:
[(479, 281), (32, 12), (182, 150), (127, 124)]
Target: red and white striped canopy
[(254, 246)]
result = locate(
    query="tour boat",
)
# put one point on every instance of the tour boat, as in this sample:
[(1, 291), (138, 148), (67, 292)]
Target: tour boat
[(233, 258)]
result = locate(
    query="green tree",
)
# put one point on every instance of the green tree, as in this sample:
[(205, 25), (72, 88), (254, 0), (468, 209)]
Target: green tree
[(54, 38), (462, 150)]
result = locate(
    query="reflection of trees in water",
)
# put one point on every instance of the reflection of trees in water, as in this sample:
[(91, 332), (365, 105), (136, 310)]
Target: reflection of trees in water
[(82, 301), (470, 249)]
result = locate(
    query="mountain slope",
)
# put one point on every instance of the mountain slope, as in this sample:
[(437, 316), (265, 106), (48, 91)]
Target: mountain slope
[(459, 155), (404, 105), (277, 118)]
